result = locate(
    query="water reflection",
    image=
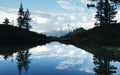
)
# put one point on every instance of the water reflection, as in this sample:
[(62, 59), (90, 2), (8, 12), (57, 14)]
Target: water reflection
[(20, 53), (103, 67), (23, 60), (103, 56), (61, 59)]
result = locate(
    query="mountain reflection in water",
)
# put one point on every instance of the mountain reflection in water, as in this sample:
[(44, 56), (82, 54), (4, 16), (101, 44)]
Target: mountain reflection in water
[(58, 59)]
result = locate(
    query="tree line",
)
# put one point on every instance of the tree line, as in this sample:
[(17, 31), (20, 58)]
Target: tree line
[(23, 19)]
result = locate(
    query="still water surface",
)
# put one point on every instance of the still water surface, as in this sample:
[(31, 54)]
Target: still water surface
[(54, 59)]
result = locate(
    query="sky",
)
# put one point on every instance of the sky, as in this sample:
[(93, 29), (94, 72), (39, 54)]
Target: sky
[(42, 5), (51, 17)]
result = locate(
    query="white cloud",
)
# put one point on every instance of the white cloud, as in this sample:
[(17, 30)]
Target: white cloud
[(72, 52), (86, 25), (1, 58), (68, 64), (72, 17), (87, 69), (60, 19), (40, 20), (71, 5), (75, 56), (65, 4), (39, 49), (59, 50), (71, 64), (84, 18), (11, 14), (65, 27)]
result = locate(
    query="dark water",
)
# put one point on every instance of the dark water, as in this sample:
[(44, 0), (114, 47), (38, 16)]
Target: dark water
[(57, 59)]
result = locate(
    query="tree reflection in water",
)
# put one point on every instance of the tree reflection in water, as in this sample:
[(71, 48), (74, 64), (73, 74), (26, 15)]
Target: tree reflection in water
[(23, 60), (103, 67), (22, 57), (102, 59)]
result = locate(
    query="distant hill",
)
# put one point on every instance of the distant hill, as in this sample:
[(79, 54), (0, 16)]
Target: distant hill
[(14, 35), (75, 32), (99, 36)]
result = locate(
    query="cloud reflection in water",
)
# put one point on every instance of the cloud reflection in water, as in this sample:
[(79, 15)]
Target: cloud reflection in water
[(71, 57), (56, 49)]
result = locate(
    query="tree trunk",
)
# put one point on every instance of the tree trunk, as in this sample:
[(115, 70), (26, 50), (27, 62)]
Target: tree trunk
[(106, 11)]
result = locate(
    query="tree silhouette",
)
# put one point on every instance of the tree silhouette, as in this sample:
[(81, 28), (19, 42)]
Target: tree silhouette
[(20, 16), (6, 21), (24, 18), (103, 67), (106, 11), (23, 60), (102, 60), (27, 19)]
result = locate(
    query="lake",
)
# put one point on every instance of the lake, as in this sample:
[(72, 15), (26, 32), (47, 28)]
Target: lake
[(57, 59)]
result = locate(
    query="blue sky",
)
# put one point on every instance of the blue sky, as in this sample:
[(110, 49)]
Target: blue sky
[(45, 5), (52, 17), (42, 5)]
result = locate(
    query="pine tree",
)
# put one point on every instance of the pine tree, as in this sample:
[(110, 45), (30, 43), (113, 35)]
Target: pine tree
[(6, 21), (99, 15), (20, 16), (27, 19), (24, 18), (106, 11), (21, 10)]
